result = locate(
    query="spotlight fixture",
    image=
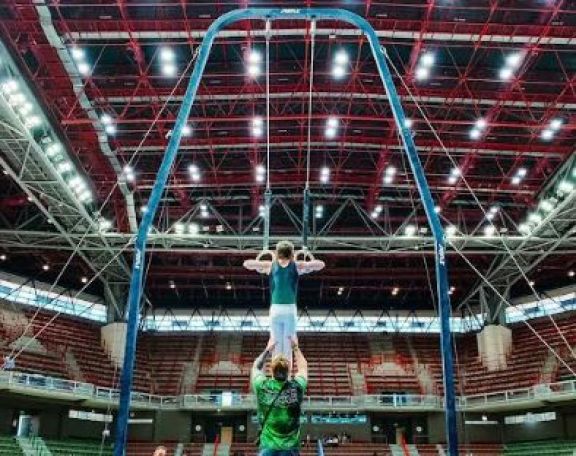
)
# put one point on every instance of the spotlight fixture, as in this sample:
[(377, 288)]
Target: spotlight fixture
[(331, 127), (389, 174), (410, 230), (194, 172), (325, 175)]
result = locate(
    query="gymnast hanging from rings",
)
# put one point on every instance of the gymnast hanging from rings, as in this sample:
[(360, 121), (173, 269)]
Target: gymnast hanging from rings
[(283, 268)]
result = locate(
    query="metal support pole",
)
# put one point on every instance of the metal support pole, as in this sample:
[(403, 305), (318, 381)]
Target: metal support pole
[(269, 14)]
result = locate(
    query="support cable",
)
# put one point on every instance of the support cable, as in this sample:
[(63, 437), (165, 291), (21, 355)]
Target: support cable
[(13, 354), (306, 197), (477, 201), (268, 192)]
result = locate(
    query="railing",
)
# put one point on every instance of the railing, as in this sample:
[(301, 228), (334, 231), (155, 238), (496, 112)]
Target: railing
[(49, 385)]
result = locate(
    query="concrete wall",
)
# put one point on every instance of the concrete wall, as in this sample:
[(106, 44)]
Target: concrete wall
[(180, 426)]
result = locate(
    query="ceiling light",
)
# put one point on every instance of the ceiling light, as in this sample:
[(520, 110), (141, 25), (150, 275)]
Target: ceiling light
[(571, 273), (481, 124), (514, 60), (451, 230), (186, 130), (565, 187), (84, 280), (395, 291), (254, 71), (64, 167), (78, 53), (85, 196), (341, 57), (506, 73), (516, 180), (475, 133), (260, 173), (338, 72), (422, 73), (340, 291), (262, 210), (524, 228), (547, 134), (46, 267), (408, 122), (3, 257), (556, 124), (194, 229), (143, 209), (83, 68), (324, 175), (254, 57), (110, 129), (332, 122), (546, 205), (16, 99), (169, 69), (489, 230), (410, 230), (377, 211), (9, 86), (228, 286), (535, 217), (53, 149), (32, 122), (427, 59), (25, 109), (437, 209), (77, 183), (106, 119), (179, 228), (167, 54), (194, 172), (172, 285), (521, 172), (104, 224), (330, 133), (319, 211), (456, 172), (531, 283)]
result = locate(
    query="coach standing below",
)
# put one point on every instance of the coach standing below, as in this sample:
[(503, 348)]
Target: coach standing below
[(279, 401)]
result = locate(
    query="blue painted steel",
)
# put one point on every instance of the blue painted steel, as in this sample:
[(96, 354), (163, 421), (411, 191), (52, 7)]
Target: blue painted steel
[(320, 448), (306, 218), (417, 170)]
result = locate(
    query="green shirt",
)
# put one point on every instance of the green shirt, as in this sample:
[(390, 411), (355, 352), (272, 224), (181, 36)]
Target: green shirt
[(282, 428)]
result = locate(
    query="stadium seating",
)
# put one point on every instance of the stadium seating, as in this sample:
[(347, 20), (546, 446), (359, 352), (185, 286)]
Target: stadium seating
[(549, 448), (78, 448), (9, 446), (166, 364), (136, 448), (368, 449)]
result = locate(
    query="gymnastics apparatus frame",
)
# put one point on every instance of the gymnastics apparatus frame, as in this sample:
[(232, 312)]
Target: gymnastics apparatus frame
[(135, 294)]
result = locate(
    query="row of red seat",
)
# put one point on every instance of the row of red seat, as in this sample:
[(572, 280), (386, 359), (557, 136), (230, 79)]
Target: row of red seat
[(162, 359)]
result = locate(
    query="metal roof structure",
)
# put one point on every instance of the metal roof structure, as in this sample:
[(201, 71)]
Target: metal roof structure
[(494, 79)]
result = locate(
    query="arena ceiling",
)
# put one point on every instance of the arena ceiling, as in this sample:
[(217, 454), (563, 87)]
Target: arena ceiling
[(495, 79)]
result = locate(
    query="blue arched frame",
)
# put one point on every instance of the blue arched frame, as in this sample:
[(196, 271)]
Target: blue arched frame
[(135, 295)]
